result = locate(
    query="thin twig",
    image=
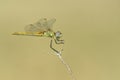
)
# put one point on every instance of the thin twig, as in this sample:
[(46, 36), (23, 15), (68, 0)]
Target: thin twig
[(66, 65)]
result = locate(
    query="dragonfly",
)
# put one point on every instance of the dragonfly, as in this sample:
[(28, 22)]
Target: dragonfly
[(43, 28)]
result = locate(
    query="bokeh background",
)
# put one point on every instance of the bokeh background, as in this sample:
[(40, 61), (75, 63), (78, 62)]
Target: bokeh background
[(91, 30)]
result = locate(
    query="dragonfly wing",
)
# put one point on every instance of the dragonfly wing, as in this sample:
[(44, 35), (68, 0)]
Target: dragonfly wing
[(45, 24), (40, 26), (32, 28), (50, 22)]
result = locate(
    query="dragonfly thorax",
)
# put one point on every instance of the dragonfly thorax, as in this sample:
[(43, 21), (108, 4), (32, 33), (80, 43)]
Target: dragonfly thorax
[(49, 34)]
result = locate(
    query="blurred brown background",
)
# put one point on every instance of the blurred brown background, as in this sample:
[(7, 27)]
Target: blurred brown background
[(91, 29)]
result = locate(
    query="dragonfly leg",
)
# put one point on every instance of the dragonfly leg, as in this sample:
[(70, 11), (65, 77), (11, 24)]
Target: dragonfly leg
[(57, 41), (52, 47)]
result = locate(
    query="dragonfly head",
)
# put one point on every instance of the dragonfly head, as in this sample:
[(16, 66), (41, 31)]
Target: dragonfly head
[(58, 34)]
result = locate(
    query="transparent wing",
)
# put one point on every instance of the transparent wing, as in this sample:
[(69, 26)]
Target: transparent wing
[(32, 28), (40, 26)]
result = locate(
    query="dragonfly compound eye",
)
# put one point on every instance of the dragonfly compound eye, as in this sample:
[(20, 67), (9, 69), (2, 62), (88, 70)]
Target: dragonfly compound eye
[(58, 34)]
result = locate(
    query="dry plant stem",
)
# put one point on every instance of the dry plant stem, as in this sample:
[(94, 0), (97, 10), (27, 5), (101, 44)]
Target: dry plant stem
[(58, 53), (66, 65)]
